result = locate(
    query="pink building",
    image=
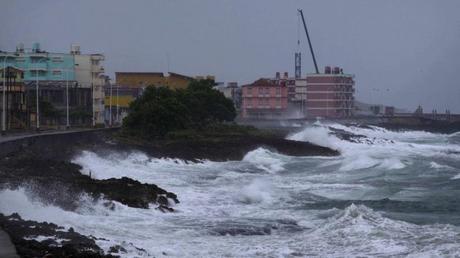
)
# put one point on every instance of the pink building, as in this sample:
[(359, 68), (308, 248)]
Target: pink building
[(265, 98), (330, 94)]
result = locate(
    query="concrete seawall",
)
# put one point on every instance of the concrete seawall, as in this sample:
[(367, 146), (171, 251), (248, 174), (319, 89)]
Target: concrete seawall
[(49, 143)]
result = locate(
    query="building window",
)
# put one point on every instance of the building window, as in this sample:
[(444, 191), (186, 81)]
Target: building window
[(57, 72), (57, 59), (267, 90), (278, 90), (261, 91)]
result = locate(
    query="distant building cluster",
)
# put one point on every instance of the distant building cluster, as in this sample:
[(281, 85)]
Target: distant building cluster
[(329, 95), (68, 85), (45, 89)]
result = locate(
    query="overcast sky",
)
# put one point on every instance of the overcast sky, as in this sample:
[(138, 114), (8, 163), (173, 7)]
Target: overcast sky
[(403, 53)]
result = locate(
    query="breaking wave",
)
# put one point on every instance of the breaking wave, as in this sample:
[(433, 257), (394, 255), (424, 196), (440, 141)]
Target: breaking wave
[(370, 147), (388, 194)]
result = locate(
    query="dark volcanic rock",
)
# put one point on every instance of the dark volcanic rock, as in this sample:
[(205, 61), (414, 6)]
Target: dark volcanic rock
[(56, 241), (227, 148), (60, 182)]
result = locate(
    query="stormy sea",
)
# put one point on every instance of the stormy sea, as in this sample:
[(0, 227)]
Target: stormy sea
[(388, 194)]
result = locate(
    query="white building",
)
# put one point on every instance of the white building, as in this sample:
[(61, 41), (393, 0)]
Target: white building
[(89, 72)]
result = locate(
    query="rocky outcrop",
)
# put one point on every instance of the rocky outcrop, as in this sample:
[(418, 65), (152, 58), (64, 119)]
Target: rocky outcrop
[(60, 182), (226, 148), (34, 239)]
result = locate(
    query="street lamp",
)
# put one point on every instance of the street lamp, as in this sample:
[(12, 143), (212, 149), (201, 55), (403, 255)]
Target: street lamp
[(110, 106), (67, 96), (118, 106), (37, 95)]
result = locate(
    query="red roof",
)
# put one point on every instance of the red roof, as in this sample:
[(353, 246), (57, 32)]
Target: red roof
[(266, 83)]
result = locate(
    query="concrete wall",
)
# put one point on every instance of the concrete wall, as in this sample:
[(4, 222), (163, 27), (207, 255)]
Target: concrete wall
[(54, 145)]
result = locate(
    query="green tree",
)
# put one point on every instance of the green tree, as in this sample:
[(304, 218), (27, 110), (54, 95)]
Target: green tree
[(161, 110), (206, 105)]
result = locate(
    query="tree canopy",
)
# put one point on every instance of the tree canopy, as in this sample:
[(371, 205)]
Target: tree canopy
[(161, 110)]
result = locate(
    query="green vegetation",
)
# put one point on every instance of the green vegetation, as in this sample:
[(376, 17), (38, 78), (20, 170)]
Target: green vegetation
[(161, 112)]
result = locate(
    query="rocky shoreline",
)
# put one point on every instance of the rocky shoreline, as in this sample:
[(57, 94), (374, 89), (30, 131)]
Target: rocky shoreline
[(225, 148), (49, 178), (43, 166), (34, 239)]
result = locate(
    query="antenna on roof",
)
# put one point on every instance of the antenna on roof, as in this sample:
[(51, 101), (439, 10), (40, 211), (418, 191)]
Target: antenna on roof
[(167, 60)]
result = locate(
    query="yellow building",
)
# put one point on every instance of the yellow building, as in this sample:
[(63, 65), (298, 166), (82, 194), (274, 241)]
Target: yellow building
[(142, 80), (130, 85)]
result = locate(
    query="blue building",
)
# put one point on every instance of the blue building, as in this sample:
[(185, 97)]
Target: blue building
[(40, 65), (53, 74)]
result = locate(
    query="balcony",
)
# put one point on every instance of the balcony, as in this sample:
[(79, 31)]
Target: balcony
[(42, 66), (97, 69), (37, 55)]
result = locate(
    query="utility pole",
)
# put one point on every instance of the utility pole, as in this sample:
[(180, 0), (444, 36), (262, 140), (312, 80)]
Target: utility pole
[(118, 106), (67, 99), (110, 106), (4, 97), (37, 95)]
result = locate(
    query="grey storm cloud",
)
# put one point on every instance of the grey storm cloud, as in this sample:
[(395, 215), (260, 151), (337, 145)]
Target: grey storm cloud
[(403, 53)]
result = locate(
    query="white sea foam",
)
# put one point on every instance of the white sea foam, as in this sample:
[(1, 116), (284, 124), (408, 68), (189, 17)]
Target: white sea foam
[(456, 177), (232, 196), (266, 160), (439, 166), (265, 190), (359, 230), (382, 148), (258, 191)]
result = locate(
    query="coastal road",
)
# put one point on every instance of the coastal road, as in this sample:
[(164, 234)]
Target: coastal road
[(17, 136)]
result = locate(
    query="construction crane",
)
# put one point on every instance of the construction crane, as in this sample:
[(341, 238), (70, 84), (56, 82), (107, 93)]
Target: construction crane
[(309, 42)]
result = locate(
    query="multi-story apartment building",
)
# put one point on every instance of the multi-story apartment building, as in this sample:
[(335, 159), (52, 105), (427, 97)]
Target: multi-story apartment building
[(57, 74), (50, 73), (330, 94), (39, 65), (265, 99), (15, 98), (89, 73)]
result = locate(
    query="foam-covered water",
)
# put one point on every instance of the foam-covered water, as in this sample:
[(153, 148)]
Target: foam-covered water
[(388, 194)]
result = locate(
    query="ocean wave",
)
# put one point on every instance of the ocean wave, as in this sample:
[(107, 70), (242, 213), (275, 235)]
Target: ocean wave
[(439, 166), (375, 147), (456, 177), (360, 230), (136, 165), (258, 191), (266, 160)]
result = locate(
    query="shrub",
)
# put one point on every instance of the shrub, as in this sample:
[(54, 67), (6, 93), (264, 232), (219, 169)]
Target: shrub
[(161, 110)]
